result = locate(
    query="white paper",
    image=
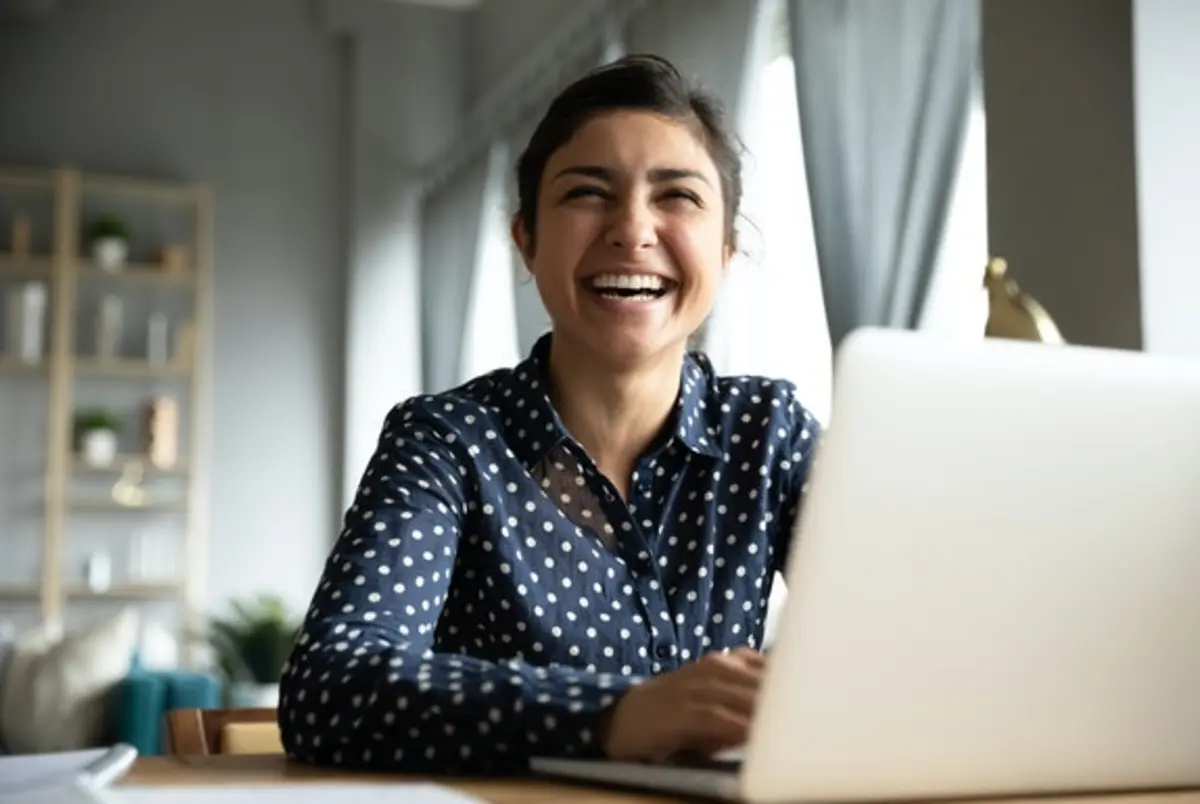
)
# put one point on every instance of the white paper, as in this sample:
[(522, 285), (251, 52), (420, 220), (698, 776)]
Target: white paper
[(66, 794), (320, 793), (95, 765)]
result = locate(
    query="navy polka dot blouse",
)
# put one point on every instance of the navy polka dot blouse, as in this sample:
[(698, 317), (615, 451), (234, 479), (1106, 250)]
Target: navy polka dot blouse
[(491, 593)]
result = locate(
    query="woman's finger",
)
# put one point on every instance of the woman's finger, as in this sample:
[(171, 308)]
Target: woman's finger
[(715, 728), (734, 669), (736, 697)]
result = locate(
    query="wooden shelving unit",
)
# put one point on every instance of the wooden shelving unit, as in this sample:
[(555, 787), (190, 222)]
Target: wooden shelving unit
[(68, 271)]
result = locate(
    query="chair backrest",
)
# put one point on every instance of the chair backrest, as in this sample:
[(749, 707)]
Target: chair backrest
[(223, 731)]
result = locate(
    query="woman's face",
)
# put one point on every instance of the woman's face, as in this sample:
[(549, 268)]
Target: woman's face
[(630, 246)]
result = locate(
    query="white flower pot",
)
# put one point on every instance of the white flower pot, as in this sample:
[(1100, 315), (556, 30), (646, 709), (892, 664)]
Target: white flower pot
[(99, 448), (253, 695), (110, 253)]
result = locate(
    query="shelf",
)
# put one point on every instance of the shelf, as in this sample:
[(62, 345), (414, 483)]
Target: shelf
[(140, 273), (125, 591), (19, 591), (130, 368), (107, 504), (27, 179), (13, 365), (36, 267), (121, 462), (79, 500)]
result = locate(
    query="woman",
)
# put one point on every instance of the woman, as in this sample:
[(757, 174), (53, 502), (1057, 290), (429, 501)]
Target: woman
[(572, 557)]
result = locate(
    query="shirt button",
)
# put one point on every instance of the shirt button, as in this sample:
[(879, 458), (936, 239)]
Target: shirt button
[(663, 651)]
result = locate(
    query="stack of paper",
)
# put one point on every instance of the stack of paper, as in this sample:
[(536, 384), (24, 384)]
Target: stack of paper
[(98, 767)]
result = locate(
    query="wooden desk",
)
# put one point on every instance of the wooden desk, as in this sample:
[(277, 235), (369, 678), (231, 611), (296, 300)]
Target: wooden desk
[(247, 770), (234, 769)]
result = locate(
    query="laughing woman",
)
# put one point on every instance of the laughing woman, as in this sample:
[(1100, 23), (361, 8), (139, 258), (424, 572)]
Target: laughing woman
[(571, 557)]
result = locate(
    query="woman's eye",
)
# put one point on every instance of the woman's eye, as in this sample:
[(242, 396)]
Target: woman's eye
[(583, 191), (684, 195)]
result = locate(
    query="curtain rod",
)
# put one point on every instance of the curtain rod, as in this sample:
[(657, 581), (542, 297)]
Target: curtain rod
[(524, 88)]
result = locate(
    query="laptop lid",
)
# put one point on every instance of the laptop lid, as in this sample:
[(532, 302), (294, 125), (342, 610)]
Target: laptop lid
[(996, 582)]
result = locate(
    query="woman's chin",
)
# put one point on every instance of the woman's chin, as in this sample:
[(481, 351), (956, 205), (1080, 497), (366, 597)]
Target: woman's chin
[(627, 348)]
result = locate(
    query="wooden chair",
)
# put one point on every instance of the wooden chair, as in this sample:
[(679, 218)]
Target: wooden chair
[(222, 731)]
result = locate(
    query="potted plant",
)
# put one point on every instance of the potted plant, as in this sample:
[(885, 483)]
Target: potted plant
[(251, 647), (96, 437), (108, 237)]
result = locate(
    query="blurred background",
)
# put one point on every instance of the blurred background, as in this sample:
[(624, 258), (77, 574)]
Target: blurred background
[(233, 233)]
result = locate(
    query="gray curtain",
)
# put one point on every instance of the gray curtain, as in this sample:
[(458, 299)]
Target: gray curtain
[(884, 90)]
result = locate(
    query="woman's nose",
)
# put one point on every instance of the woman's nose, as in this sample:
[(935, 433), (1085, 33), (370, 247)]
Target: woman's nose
[(632, 227)]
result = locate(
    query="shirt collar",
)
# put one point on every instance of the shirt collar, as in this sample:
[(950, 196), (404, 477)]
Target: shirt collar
[(694, 425)]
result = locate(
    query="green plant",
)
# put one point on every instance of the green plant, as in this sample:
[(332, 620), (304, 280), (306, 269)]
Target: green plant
[(254, 643), (89, 420), (108, 226)]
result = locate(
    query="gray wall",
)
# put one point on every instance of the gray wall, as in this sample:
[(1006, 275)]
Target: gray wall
[(405, 102), (247, 96), (1061, 175), (313, 120)]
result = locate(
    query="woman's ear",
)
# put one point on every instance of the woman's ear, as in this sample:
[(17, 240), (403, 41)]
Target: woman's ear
[(522, 239)]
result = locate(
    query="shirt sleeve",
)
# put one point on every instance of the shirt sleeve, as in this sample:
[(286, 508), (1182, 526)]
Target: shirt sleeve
[(364, 687), (795, 463)]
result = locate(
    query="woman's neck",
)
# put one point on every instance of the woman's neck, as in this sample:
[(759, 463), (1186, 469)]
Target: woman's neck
[(613, 414)]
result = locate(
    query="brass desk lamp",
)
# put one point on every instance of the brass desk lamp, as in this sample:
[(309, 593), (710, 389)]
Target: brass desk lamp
[(1013, 313)]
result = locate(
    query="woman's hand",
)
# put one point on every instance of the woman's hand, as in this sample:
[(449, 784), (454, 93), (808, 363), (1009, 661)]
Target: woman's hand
[(702, 708)]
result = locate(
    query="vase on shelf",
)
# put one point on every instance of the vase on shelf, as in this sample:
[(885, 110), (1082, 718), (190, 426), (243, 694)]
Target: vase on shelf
[(96, 437), (27, 322), (109, 239), (109, 327), (162, 432), (173, 260), (98, 572), (98, 448)]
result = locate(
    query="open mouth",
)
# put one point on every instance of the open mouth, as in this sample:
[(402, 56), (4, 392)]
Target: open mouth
[(635, 287)]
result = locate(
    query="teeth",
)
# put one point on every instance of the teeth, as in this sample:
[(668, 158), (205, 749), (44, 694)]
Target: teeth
[(628, 282)]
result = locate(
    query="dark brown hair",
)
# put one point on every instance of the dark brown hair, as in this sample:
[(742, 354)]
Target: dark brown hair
[(637, 82)]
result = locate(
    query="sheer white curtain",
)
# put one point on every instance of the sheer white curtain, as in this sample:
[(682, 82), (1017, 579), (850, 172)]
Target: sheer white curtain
[(490, 339), (956, 306), (770, 319), (770, 316)]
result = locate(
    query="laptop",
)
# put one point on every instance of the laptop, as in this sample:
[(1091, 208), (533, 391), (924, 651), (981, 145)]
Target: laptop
[(994, 589)]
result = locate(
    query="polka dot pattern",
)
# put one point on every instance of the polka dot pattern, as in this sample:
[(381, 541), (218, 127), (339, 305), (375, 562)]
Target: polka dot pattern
[(491, 595)]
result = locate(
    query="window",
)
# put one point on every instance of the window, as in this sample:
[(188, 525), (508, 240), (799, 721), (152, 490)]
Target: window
[(490, 341), (956, 305), (770, 319)]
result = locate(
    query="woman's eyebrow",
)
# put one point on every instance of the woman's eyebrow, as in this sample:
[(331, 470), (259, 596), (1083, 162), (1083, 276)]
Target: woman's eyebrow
[(655, 175)]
